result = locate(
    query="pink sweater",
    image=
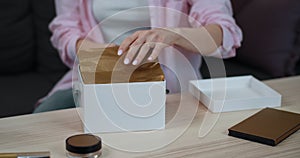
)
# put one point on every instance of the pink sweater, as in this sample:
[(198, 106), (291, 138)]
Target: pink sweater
[(75, 20)]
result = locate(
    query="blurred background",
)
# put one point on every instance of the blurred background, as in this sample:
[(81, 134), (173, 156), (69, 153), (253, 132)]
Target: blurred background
[(30, 66)]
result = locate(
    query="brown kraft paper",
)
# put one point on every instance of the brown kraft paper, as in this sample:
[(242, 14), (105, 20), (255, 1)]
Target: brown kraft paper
[(103, 65)]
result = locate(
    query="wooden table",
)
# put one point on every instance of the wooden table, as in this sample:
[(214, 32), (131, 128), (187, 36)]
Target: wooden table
[(48, 131)]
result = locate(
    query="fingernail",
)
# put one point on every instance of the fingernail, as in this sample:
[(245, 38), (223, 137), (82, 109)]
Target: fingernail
[(150, 58), (126, 61), (134, 62), (120, 52)]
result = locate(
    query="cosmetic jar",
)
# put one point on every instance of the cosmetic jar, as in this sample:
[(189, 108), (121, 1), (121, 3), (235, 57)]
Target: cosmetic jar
[(83, 146)]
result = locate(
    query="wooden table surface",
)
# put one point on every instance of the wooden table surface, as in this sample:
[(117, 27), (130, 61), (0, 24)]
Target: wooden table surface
[(48, 131)]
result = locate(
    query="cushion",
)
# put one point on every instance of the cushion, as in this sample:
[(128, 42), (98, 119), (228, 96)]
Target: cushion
[(19, 93), (16, 37), (271, 39), (232, 67), (47, 57)]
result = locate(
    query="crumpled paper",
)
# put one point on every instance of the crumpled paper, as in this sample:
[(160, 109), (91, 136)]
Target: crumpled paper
[(103, 65)]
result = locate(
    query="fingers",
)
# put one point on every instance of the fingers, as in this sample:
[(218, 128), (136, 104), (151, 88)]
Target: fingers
[(142, 53), (131, 53), (127, 42), (141, 42), (157, 49), (134, 48)]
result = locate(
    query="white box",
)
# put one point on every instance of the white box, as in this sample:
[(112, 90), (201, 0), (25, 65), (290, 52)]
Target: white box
[(234, 93), (120, 107)]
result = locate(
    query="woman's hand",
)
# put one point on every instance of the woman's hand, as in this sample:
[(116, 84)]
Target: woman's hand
[(204, 40), (139, 44)]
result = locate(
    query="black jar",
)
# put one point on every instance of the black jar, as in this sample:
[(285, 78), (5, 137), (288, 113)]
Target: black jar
[(83, 146)]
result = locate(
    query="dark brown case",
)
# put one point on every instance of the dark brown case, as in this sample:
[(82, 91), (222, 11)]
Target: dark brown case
[(268, 126)]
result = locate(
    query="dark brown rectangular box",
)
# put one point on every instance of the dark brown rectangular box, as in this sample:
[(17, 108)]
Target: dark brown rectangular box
[(268, 126)]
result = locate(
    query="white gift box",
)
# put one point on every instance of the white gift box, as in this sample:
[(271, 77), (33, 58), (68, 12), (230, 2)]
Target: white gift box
[(119, 107), (234, 93)]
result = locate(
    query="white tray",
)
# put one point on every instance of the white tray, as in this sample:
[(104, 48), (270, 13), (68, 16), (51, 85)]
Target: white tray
[(234, 93)]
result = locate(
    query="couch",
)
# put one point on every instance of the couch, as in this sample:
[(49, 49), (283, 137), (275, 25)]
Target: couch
[(271, 43), (30, 66)]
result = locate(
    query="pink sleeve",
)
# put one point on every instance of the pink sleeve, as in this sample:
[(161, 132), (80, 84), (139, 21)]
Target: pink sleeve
[(66, 29), (204, 12)]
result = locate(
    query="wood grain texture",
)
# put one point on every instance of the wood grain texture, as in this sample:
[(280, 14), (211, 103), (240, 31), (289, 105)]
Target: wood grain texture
[(48, 131)]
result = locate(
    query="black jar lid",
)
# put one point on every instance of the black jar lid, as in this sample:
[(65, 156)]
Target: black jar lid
[(83, 144)]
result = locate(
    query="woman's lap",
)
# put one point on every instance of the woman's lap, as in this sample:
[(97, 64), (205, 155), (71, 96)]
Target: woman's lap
[(62, 99)]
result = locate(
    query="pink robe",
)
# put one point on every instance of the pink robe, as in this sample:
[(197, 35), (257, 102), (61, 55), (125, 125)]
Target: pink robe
[(75, 20)]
